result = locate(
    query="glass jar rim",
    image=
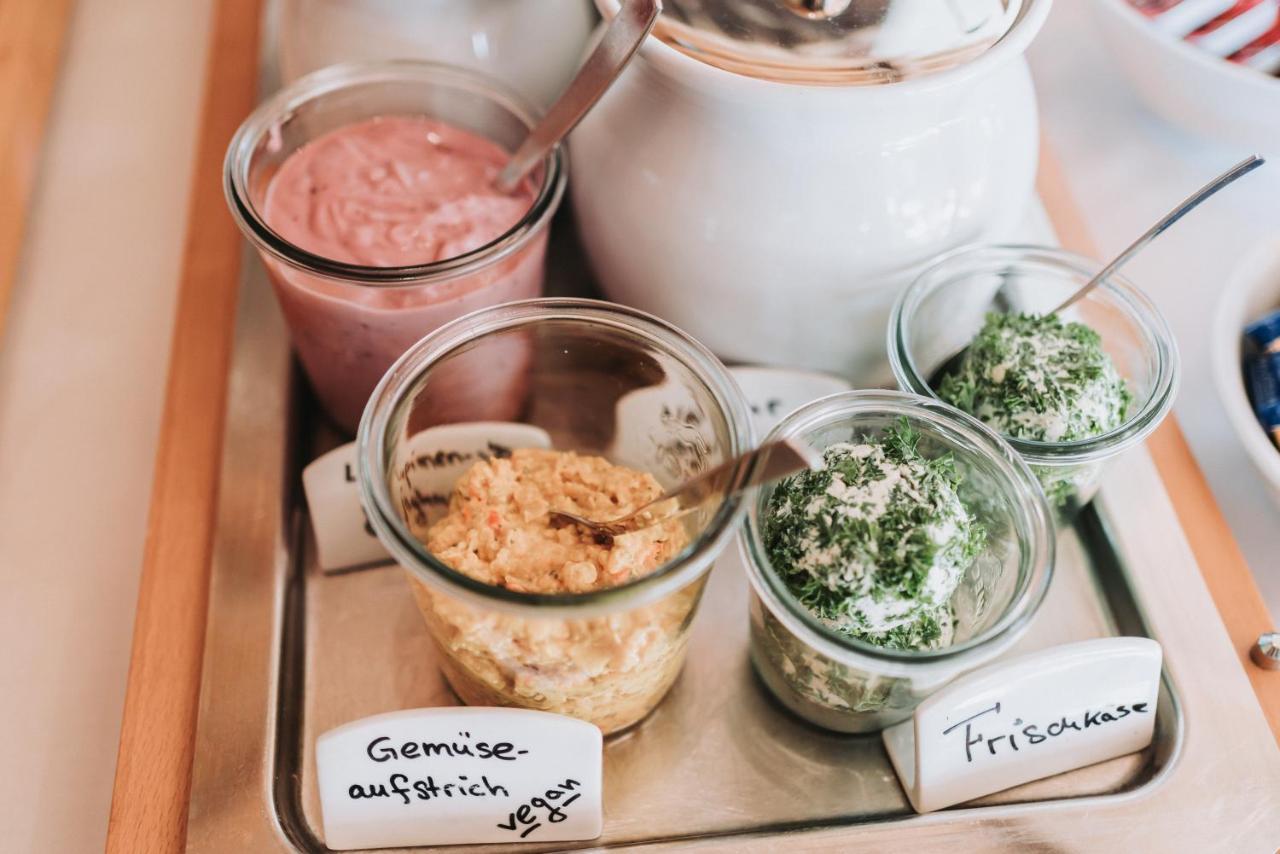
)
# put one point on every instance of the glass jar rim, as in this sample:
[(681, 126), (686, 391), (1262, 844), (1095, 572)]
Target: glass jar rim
[(404, 377), (1037, 560), (335, 78), (1140, 308)]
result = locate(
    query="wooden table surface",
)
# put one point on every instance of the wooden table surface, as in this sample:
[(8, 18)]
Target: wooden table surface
[(149, 805), (83, 351)]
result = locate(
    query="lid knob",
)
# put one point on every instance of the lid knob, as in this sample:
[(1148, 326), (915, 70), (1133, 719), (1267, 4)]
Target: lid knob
[(818, 8), (837, 42)]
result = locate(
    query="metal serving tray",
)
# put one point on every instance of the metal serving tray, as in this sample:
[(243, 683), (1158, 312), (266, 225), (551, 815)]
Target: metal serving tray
[(292, 652)]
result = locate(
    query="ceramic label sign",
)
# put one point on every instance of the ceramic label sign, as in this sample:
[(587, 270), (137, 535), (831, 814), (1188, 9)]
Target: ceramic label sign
[(774, 393), (448, 776), (1027, 718), (663, 428), (430, 462)]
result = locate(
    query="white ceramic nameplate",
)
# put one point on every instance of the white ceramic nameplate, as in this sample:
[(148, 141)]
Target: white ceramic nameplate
[(774, 393), (1027, 718), (664, 429), (431, 461), (448, 776)]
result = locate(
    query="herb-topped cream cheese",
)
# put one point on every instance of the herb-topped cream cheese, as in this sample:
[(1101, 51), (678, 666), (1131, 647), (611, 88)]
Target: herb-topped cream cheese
[(875, 543), (1037, 377)]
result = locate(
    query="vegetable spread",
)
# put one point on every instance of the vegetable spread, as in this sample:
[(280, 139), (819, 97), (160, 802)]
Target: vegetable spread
[(610, 670), (498, 529)]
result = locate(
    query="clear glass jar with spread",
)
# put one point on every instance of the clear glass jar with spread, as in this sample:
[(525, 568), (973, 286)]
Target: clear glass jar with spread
[(602, 382), (841, 682), (350, 321), (943, 310)]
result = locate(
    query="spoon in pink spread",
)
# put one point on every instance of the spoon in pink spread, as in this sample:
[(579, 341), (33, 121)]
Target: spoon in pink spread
[(624, 35)]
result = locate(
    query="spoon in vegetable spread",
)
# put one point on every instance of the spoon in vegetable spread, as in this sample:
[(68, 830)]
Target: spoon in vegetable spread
[(1041, 378), (771, 461)]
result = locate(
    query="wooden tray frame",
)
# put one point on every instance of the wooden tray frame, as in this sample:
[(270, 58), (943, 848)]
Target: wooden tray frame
[(31, 43), (153, 773)]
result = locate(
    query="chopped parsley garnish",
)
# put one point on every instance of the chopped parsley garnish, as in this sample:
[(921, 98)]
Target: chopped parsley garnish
[(875, 542), (1036, 377)]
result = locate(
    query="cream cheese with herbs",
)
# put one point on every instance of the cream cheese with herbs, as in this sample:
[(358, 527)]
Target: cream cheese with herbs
[(875, 543), (1039, 378)]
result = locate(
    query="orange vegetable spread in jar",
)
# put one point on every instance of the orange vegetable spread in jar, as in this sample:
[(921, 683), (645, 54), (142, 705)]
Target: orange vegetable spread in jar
[(610, 670), (498, 530)]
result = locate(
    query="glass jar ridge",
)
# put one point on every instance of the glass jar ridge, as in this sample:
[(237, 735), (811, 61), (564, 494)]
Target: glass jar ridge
[(846, 684), (349, 321), (600, 380), (942, 310)]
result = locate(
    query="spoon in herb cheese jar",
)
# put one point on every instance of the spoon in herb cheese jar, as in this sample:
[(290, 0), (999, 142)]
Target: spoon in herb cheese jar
[(1050, 383), (767, 463), (1187, 205), (1244, 167)]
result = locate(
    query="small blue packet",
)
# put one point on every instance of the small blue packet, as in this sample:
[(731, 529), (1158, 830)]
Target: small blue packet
[(1265, 332), (1262, 378)]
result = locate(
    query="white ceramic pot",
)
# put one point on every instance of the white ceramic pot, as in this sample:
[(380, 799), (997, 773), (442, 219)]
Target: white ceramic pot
[(776, 222)]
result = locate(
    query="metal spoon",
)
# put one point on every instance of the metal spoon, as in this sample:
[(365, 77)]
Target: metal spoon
[(766, 463), (624, 35), (1244, 167)]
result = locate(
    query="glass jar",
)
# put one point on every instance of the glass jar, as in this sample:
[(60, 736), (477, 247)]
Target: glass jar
[(942, 311), (349, 322), (600, 380), (534, 46), (846, 684)]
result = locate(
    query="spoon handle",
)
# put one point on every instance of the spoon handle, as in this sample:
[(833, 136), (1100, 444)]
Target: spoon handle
[(1241, 169), (766, 463), (621, 39)]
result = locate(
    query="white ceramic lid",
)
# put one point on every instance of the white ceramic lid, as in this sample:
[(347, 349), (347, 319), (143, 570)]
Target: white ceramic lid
[(837, 42)]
